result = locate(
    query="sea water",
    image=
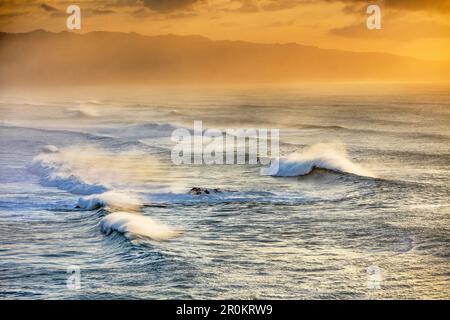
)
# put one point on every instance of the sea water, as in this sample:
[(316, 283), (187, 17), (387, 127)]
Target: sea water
[(86, 180)]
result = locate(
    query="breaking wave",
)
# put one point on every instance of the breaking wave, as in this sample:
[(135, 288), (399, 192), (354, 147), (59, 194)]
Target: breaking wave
[(104, 179), (112, 200), (329, 156), (87, 170), (135, 226)]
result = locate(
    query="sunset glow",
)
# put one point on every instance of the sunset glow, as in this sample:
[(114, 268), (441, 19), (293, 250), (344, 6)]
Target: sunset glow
[(411, 28)]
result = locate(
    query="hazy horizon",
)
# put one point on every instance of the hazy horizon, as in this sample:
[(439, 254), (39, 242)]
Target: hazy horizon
[(222, 40), (97, 58)]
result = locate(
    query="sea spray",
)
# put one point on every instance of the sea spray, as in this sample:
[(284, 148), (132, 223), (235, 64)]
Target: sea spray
[(85, 170)]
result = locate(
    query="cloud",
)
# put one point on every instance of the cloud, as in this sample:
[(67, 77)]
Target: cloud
[(102, 11), (54, 12), (170, 5), (395, 31), (47, 7), (141, 13), (353, 6), (357, 30), (165, 6), (440, 6), (436, 5), (247, 6), (251, 6), (288, 23), (182, 15), (87, 12), (275, 5), (8, 15)]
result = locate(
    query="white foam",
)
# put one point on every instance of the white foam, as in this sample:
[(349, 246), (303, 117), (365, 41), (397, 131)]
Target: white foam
[(330, 156), (135, 226), (111, 199)]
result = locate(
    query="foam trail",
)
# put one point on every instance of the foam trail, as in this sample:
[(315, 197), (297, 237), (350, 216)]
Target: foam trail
[(135, 226), (111, 199), (330, 156)]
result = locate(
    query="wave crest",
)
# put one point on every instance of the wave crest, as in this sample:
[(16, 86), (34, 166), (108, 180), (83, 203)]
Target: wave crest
[(134, 227)]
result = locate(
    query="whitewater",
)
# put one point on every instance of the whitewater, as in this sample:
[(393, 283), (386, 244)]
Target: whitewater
[(86, 179)]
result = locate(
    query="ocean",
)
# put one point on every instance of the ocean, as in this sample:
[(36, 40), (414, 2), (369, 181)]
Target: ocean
[(359, 209)]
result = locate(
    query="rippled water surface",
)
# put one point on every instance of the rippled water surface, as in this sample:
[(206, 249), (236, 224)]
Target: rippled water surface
[(86, 179)]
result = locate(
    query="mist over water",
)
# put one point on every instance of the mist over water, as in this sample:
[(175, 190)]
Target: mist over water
[(86, 179)]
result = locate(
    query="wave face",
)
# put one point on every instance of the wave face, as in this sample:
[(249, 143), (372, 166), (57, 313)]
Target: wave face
[(134, 226), (329, 156)]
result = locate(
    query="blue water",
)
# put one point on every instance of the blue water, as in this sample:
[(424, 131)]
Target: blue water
[(309, 236)]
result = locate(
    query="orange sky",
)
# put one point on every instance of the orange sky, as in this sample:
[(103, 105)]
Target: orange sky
[(418, 28)]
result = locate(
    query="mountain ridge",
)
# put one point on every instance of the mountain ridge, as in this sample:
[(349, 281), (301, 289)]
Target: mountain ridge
[(103, 57)]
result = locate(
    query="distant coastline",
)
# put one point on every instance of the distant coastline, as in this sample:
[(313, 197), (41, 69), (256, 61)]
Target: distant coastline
[(102, 58)]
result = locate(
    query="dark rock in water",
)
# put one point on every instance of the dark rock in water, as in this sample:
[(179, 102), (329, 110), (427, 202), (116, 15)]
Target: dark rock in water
[(196, 191), (199, 191)]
